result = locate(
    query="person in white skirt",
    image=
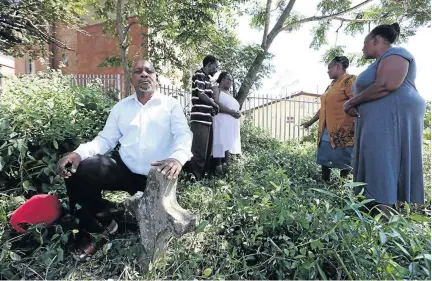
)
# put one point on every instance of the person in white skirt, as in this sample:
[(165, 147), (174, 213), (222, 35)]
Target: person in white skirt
[(226, 124)]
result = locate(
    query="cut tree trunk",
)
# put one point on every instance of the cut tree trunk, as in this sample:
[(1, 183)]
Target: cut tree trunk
[(159, 216)]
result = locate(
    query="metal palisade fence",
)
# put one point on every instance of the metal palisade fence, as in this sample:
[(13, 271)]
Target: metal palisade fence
[(281, 117)]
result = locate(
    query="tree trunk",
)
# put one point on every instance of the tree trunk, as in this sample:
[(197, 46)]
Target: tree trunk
[(266, 24), (249, 79), (266, 43), (268, 40), (122, 35), (125, 66)]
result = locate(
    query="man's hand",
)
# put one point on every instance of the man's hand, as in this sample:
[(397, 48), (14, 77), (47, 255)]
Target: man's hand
[(68, 165), (216, 108), (170, 167)]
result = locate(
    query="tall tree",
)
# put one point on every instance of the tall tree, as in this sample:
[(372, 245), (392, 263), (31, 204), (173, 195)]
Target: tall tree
[(25, 24), (356, 16), (177, 32)]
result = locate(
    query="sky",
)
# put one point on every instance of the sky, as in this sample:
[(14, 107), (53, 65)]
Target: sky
[(299, 68)]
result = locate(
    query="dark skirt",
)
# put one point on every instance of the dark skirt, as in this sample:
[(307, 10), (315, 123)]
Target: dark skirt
[(339, 157)]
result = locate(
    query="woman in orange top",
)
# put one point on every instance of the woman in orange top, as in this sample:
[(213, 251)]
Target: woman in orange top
[(336, 128)]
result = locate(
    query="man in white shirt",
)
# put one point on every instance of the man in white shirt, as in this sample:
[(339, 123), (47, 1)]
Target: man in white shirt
[(152, 131)]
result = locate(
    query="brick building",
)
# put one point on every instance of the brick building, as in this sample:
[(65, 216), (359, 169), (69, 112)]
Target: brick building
[(89, 49)]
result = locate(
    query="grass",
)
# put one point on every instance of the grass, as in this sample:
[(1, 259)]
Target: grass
[(270, 217)]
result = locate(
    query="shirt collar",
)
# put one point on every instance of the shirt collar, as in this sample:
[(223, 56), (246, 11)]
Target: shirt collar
[(156, 96), (342, 78)]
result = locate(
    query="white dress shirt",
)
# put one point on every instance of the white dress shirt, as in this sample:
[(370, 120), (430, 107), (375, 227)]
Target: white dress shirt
[(152, 132)]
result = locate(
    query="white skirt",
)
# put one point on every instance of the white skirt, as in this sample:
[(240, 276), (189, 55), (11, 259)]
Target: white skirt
[(226, 135)]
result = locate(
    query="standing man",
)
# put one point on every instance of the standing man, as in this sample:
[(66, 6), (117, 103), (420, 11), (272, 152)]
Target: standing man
[(203, 109), (152, 131)]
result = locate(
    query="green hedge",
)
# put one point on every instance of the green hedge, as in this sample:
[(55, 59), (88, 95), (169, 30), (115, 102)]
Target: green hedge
[(42, 117)]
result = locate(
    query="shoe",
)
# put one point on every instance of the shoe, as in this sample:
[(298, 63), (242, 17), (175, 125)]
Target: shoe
[(111, 228), (88, 250), (219, 170)]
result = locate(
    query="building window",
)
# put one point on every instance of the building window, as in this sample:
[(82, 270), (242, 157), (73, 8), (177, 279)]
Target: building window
[(290, 119), (65, 59), (30, 66)]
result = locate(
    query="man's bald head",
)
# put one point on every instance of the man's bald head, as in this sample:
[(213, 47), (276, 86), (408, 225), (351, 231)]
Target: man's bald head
[(144, 78), (142, 63)]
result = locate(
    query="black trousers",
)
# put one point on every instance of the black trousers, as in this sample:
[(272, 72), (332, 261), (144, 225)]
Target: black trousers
[(202, 146), (85, 187)]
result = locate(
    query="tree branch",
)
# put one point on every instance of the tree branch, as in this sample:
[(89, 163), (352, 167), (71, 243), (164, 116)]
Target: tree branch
[(126, 30), (352, 20), (266, 23), (278, 27), (333, 16)]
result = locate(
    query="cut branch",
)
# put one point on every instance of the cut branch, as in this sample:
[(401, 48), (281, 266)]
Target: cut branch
[(328, 17)]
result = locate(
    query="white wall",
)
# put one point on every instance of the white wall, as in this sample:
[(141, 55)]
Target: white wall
[(7, 65)]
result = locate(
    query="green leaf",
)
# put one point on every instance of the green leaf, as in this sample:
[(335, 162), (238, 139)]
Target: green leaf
[(234, 252), (423, 256), (201, 226), (321, 272), (354, 184), (60, 254), (207, 272), (55, 143), (107, 247), (325, 192), (316, 245), (28, 187), (419, 218), (14, 256), (383, 237), (3, 215), (47, 171), (403, 249)]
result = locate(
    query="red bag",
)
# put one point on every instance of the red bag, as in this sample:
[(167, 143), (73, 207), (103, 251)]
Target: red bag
[(41, 208)]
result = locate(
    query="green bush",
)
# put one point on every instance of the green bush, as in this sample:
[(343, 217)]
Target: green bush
[(42, 117), (270, 217), (427, 122), (277, 222)]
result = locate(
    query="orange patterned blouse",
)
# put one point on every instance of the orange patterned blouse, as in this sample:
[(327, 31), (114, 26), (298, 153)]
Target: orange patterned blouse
[(340, 126)]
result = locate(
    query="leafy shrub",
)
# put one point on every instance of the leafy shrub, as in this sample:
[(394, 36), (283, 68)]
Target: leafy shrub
[(270, 217), (44, 116), (427, 122), (277, 222)]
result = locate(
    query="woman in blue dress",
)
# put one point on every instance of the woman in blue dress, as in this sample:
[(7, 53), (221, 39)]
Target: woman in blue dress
[(389, 128)]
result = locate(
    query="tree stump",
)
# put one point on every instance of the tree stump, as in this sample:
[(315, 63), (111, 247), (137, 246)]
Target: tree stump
[(159, 215)]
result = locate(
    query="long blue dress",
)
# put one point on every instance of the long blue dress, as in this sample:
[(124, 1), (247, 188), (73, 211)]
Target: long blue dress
[(388, 138)]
